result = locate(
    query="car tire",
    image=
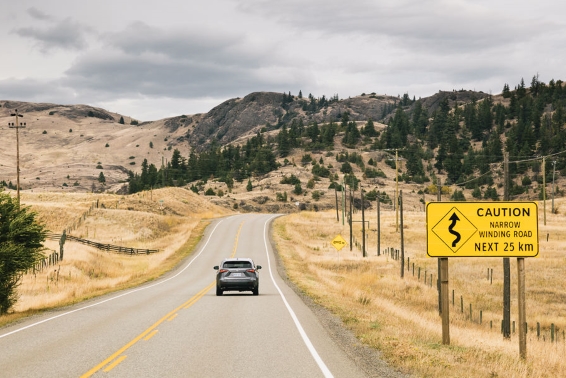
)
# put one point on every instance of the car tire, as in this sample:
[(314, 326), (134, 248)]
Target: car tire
[(255, 291), (219, 291)]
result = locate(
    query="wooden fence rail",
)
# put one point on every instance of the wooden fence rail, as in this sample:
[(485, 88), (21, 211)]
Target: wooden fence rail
[(106, 247)]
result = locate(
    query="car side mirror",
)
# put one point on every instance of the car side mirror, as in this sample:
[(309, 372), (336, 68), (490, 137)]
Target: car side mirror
[(258, 267), (216, 267)]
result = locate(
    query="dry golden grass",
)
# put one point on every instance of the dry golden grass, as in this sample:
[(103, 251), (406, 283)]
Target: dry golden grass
[(174, 226), (400, 316)]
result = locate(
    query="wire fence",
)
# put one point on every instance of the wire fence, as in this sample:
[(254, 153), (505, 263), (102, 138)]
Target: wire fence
[(551, 333)]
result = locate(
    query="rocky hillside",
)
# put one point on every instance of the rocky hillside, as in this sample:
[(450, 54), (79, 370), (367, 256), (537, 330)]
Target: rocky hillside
[(68, 147), (242, 116)]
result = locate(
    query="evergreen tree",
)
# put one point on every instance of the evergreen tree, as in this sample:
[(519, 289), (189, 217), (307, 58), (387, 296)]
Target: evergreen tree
[(346, 167), (313, 132), (352, 135), (21, 246), (369, 129), (101, 178), (284, 142), (521, 90), (327, 134), (438, 125), (121, 121), (414, 161), (506, 93)]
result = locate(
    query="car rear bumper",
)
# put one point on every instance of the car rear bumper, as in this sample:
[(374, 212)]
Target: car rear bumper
[(237, 283)]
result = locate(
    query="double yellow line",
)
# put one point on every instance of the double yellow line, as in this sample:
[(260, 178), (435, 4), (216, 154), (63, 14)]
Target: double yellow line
[(116, 358)]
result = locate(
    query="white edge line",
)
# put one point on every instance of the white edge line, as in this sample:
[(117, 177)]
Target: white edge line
[(117, 296), (302, 332)]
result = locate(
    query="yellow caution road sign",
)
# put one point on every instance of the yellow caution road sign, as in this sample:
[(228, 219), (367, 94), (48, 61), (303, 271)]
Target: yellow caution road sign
[(482, 229), (338, 242)]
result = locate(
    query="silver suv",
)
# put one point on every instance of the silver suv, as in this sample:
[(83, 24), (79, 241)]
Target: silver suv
[(237, 274)]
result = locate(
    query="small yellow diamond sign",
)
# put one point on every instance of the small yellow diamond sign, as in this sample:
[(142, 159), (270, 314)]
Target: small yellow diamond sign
[(338, 242)]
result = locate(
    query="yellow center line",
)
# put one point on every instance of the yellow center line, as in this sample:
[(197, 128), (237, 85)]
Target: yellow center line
[(236, 240), (114, 364), (173, 317), (145, 333), (113, 360), (151, 335)]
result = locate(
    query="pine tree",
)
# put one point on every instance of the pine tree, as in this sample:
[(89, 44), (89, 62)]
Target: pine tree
[(284, 142), (352, 135), (101, 178), (21, 246), (506, 93), (369, 129), (121, 120)]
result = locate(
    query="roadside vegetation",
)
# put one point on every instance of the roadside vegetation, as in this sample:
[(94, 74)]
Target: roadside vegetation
[(171, 220), (400, 316)]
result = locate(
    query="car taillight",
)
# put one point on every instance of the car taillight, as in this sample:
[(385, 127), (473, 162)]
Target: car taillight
[(251, 270), (222, 270)]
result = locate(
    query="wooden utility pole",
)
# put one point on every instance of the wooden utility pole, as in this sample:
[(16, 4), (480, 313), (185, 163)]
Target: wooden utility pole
[(351, 220), (17, 126), (343, 200), (336, 195), (506, 264), (553, 172), (378, 226), (544, 187), (396, 190), (522, 308), (438, 283), (445, 301), (363, 223), (402, 239)]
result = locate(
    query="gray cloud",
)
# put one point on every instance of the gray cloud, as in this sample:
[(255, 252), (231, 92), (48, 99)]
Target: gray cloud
[(35, 90), (135, 54), (204, 45), (146, 60), (66, 34), (421, 25), (118, 75), (38, 15)]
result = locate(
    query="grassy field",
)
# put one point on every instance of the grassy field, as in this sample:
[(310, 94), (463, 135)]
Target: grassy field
[(397, 316), (400, 316), (171, 220)]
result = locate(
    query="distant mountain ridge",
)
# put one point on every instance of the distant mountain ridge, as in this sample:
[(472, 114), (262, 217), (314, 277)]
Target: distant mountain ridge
[(235, 117)]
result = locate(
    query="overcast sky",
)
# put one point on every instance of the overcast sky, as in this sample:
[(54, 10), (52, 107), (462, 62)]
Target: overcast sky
[(155, 59)]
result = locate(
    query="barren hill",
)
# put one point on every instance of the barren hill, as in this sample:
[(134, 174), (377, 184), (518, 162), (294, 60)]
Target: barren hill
[(67, 147)]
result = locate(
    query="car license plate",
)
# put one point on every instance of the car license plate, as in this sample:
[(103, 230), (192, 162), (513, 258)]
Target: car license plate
[(236, 274)]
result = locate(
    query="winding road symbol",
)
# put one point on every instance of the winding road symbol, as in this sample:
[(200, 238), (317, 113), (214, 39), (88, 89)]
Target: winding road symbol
[(454, 218)]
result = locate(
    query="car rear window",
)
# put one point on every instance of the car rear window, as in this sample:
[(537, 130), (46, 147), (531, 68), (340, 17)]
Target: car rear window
[(237, 264)]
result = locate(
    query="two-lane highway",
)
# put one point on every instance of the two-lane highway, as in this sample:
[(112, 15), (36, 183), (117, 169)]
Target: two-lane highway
[(178, 327)]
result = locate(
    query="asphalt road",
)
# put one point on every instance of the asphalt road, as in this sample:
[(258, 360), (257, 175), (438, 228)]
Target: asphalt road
[(177, 326)]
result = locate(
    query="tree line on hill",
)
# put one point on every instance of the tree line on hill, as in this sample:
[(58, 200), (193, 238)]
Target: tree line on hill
[(464, 141)]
